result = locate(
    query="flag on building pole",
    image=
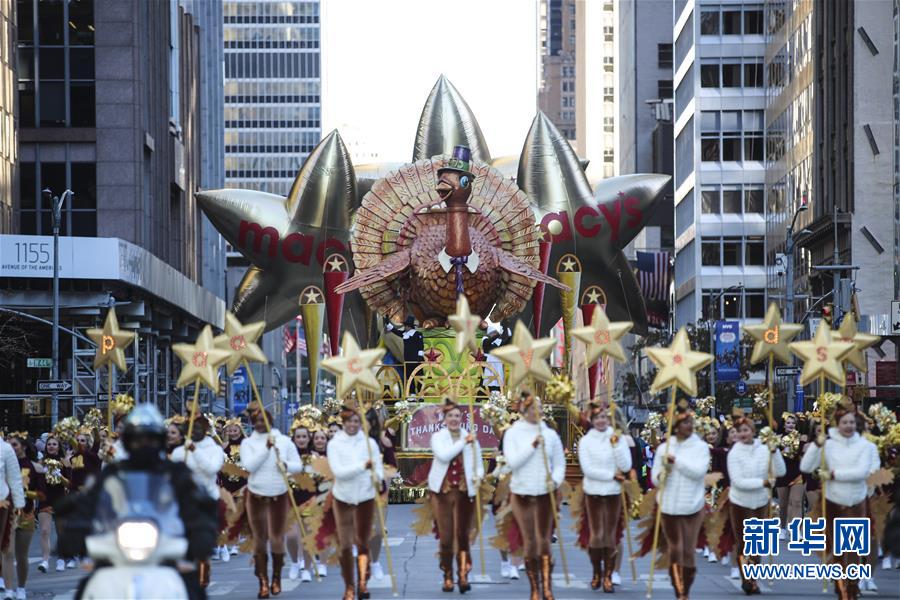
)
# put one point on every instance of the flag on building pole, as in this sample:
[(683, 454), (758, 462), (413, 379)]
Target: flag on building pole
[(653, 277)]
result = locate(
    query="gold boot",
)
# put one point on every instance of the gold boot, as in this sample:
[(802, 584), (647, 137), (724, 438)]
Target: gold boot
[(347, 574), (547, 576), (676, 576), (277, 565), (596, 555), (203, 573), (447, 569), (609, 565), (261, 564), (531, 570), (464, 566), (362, 576), (689, 573)]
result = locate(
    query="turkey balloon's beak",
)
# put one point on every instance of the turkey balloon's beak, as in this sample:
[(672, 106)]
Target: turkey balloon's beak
[(444, 189)]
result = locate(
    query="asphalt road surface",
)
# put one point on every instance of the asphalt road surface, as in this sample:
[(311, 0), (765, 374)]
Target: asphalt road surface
[(415, 565)]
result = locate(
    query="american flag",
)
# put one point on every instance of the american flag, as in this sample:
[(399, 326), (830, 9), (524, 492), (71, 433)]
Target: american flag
[(653, 275), (290, 339)]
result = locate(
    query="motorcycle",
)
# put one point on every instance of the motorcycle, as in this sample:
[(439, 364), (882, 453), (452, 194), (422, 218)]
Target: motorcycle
[(138, 540)]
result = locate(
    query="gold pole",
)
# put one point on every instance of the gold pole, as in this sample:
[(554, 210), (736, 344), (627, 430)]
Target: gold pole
[(823, 427), (376, 487), (771, 386), (552, 493), (610, 387), (194, 404), (476, 481), (109, 399), (281, 468), (659, 490)]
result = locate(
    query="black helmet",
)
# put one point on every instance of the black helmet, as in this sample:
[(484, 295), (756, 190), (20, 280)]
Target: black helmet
[(144, 428)]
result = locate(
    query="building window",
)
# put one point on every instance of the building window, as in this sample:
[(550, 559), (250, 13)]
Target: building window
[(664, 89), (709, 22), (709, 76), (685, 40), (608, 33), (731, 22), (568, 86), (755, 252), (608, 63), (731, 135), (79, 215), (753, 200), (609, 124), (737, 304), (608, 94), (732, 201), (753, 22), (709, 200), (56, 66), (664, 56), (753, 74)]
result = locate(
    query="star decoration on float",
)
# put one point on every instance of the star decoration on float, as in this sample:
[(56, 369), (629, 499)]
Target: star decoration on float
[(592, 295), (822, 356), (111, 342), (465, 324), (772, 337), (354, 366), (602, 337), (200, 360), (678, 364), (337, 263), (240, 342), (568, 264), (849, 332), (526, 356), (312, 295)]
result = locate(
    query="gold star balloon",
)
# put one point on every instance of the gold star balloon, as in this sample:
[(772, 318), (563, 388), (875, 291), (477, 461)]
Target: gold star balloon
[(465, 324), (849, 332), (240, 342), (678, 364), (823, 356), (526, 356), (111, 342), (602, 337), (200, 360), (772, 337), (354, 366)]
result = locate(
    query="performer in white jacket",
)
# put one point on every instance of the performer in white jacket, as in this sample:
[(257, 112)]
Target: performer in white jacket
[(267, 503), (849, 461), (604, 458), (456, 472), (354, 497), (679, 466), (530, 448), (204, 457), (752, 480), (12, 495)]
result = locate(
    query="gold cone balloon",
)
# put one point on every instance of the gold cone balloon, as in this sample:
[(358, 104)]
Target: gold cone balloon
[(447, 121), (312, 309), (568, 271), (111, 342), (286, 240)]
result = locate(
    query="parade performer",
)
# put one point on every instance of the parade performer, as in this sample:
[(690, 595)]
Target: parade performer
[(531, 449), (751, 488), (266, 499), (15, 555), (12, 497), (204, 457), (232, 479), (385, 437), (848, 463), (456, 472), (311, 440), (353, 499), (83, 460), (604, 458), (789, 487), (682, 462), (56, 475), (174, 433)]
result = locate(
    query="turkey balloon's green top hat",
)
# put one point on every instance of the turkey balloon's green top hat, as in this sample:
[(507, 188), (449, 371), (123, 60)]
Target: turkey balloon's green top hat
[(459, 161)]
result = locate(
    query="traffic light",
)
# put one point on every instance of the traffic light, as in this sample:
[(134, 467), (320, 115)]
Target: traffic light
[(223, 389), (828, 313)]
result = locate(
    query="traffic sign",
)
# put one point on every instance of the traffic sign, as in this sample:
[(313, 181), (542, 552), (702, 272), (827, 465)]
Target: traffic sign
[(741, 387), (39, 363), (895, 317), (54, 385), (787, 371)]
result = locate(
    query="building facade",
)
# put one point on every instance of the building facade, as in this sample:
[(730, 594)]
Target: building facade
[(8, 114), (720, 262)]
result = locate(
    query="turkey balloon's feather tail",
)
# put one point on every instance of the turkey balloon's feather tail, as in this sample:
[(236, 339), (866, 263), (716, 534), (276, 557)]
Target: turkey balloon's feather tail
[(391, 265), (510, 263)]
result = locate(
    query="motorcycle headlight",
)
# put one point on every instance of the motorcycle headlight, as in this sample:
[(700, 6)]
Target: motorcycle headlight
[(137, 539)]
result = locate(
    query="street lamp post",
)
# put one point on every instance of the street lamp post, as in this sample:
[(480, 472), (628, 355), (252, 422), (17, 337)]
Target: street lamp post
[(789, 245), (56, 204)]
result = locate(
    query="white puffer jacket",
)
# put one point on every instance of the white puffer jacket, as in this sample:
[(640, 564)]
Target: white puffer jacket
[(11, 477), (850, 459), (529, 474), (748, 469), (265, 478), (600, 459), (683, 492), (205, 462), (445, 450), (347, 457)]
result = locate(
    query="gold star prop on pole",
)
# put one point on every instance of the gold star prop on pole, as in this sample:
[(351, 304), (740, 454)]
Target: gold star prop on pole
[(822, 355), (465, 324), (239, 341), (772, 337), (354, 366), (526, 356), (678, 364), (200, 360), (602, 337), (111, 342), (849, 332)]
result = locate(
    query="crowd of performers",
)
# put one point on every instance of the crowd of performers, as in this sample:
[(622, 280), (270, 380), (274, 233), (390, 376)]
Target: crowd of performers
[(309, 498)]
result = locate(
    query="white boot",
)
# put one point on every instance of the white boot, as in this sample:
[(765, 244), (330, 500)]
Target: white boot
[(735, 573), (294, 571), (323, 569), (616, 578), (60, 565), (504, 569), (305, 576), (887, 563), (377, 571), (224, 556), (513, 572)]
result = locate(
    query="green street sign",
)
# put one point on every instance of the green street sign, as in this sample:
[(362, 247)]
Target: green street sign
[(40, 363)]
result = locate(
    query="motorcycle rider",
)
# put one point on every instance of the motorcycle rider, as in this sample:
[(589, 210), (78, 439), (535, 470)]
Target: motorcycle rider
[(144, 438)]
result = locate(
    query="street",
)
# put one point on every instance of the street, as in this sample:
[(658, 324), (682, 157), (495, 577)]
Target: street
[(415, 562)]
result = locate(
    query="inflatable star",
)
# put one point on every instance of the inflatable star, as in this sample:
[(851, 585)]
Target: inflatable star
[(200, 360), (111, 342), (772, 337), (849, 332), (465, 324), (678, 364), (602, 337), (240, 342), (823, 356), (526, 356), (354, 366)]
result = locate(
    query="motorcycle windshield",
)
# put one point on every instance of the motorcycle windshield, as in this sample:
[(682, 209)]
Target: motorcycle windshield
[(138, 496)]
